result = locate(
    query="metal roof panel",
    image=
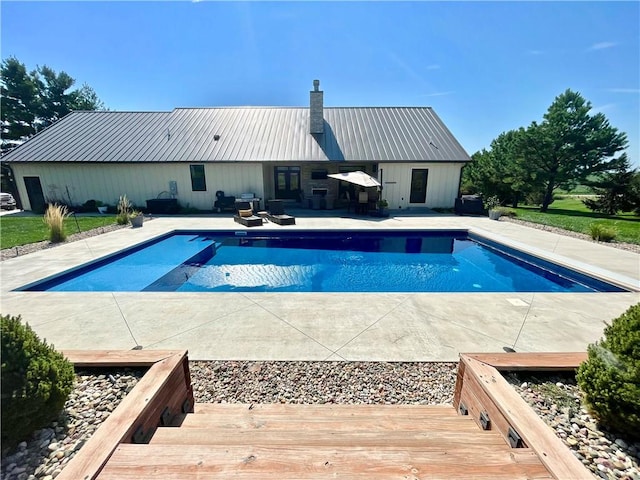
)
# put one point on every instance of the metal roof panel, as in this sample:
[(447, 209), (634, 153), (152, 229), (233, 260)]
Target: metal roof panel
[(246, 134)]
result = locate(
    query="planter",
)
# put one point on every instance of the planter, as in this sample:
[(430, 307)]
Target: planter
[(137, 221), (494, 214)]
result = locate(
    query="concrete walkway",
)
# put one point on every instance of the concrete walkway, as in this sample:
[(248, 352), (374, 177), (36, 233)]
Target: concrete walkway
[(322, 326)]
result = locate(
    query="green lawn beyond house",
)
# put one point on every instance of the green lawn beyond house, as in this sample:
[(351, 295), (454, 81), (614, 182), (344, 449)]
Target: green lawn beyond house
[(16, 230), (571, 214)]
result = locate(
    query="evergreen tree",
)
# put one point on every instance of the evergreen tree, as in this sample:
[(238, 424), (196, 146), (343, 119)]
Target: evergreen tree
[(33, 100), (570, 144), (613, 190)]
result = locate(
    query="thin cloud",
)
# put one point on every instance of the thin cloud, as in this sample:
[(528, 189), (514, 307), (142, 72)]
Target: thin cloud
[(433, 67), (437, 94), (405, 66), (602, 108), (602, 45), (623, 90)]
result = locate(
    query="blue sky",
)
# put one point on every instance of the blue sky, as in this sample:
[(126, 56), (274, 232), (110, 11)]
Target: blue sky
[(485, 67)]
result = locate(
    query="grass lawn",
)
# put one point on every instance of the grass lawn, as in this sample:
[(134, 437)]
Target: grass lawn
[(16, 230), (571, 214)]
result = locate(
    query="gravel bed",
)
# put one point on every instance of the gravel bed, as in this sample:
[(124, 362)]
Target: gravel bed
[(323, 382), (631, 247), (557, 399), (94, 397)]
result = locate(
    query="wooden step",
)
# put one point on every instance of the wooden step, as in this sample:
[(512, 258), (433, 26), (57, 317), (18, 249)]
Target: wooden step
[(304, 410), (328, 438), (170, 462), (268, 421), (327, 417)]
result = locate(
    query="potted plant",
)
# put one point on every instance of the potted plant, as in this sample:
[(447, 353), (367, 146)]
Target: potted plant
[(383, 208), (136, 218), (492, 204)]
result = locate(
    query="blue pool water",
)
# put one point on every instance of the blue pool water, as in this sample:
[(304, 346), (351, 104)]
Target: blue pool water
[(322, 261)]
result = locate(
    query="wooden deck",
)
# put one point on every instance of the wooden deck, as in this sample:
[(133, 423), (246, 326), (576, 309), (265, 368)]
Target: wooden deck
[(277, 441)]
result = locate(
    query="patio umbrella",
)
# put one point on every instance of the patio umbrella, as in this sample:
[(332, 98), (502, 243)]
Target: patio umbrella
[(358, 177)]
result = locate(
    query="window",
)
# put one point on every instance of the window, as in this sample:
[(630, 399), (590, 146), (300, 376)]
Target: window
[(319, 175), (198, 182), (418, 185)]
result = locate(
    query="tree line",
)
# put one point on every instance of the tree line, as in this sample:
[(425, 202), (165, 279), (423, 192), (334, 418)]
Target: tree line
[(570, 146), (32, 100)]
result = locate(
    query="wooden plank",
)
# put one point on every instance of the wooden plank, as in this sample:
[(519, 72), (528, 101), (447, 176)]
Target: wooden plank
[(531, 361), (372, 422), (534, 432), (477, 401), (117, 427), (317, 437), (300, 462), (458, 387), (306, 410), (117, 358), (171, 396)]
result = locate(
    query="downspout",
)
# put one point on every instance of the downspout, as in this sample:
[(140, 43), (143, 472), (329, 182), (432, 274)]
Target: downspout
[(460, 181)]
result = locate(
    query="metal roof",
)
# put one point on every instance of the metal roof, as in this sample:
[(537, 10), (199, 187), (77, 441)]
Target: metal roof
[(245, 134)]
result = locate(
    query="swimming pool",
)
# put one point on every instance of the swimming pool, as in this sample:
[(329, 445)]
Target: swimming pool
[(322, 261)]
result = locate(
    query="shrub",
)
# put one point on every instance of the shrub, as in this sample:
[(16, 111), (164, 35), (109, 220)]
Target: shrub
[(601, 232), (36, 381), (54, 220), (610, 378), (508, 212), (124, 210)]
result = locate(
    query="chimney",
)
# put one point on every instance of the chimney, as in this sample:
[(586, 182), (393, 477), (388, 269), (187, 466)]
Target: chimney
[(316, 118)]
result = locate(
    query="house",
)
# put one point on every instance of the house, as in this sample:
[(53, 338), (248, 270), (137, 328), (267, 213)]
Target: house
[(276, 153)]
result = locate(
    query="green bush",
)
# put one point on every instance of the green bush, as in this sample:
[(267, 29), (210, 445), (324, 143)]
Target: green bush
[(610, 378), (36, 381), (601, 232)]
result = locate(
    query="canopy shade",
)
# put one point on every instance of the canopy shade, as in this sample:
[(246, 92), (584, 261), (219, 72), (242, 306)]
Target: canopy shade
[(358, 177)]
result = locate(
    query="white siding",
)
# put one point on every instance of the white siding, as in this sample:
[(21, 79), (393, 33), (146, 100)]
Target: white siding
[(442, 184), (140, 182)]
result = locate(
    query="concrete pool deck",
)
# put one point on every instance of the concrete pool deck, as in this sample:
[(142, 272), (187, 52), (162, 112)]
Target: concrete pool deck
[(322, 326)]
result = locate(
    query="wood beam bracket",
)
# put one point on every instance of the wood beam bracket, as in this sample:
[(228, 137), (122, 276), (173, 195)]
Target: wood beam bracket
[(514, 439), (485, 423)]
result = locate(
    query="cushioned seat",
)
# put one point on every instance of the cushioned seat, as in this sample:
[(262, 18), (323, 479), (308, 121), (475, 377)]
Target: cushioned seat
[(245, 216), (276, 214)]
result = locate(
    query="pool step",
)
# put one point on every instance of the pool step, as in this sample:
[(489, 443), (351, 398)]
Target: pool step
[(276, 441)]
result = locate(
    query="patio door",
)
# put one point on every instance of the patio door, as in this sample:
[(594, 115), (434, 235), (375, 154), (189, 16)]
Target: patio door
[(287, 180)]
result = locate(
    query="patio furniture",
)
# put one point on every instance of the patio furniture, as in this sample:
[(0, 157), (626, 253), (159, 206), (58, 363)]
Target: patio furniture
[(223, 202), (245, 216), (469, 204), (276, 214)]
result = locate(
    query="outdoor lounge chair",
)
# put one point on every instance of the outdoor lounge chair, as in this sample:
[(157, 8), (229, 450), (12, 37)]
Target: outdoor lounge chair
[(245, 216), (276, 214)]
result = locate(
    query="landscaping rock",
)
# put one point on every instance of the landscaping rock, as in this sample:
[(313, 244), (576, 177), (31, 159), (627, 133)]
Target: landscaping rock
[(603, 453)]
